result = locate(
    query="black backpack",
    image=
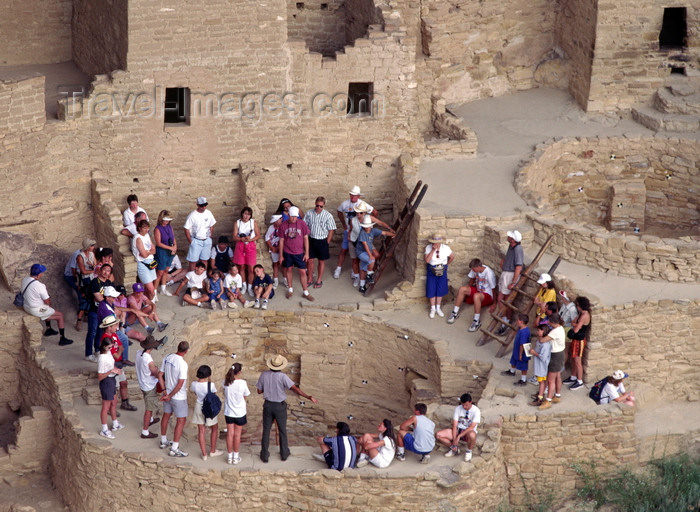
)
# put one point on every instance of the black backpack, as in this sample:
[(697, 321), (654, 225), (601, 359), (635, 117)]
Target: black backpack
[(597, 390), (211, 406)]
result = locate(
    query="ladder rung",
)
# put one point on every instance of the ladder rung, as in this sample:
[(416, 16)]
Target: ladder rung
[(492, 335), (516, 308)]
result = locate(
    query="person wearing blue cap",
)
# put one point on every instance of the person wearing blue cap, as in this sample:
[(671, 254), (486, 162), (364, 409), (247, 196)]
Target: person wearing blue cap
[(38, 303)]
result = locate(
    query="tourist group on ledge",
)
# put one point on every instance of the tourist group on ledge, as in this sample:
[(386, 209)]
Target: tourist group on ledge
[(228, 275)]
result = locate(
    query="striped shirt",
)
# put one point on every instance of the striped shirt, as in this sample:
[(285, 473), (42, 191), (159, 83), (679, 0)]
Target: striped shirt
[(344, 451), (319, 223)]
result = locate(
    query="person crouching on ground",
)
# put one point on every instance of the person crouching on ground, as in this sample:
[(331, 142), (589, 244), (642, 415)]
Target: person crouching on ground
[(465, 420), (422, 440), (340, 451), (379, 449)]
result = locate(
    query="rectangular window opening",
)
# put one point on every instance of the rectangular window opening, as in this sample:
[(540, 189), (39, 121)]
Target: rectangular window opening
[(177, 105), (677, 70), (674, 31), (360, 98)]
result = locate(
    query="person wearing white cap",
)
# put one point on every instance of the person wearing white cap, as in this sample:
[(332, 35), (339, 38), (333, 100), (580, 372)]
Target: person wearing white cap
[(614, 390), (272, 239), (166, 249), (366, 253), (511, 267), (545, 294), (294, 248), (199, 229), (346, 211)]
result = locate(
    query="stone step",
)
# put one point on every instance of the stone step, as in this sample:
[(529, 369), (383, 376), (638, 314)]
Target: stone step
[(666, 100), (661, 121)]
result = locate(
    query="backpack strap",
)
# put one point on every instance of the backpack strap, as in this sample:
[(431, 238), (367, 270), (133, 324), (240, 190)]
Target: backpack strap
[(28, 285)]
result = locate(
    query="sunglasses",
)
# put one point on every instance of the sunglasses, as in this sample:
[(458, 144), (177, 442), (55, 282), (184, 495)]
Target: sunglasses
[(319, 206)]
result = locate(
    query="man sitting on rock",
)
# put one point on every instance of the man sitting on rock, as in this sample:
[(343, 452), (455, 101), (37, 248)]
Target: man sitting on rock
[(479, 292), (38, 303)]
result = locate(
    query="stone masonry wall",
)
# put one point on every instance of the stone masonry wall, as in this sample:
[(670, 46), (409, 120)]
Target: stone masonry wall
[(628, 65), (576, 31), (21, 107), (483, 49), (656, 342), (539, 449), (321, 25), (36, 32), (11, 327), (100, 35)]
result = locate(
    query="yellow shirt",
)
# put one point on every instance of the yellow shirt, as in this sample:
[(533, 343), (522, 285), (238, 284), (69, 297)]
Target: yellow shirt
[(545, 295)]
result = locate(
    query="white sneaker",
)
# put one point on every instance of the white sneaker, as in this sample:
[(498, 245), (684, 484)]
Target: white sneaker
[(474, 326), (92, 358), (165, 291), (264, 305), (431, 314), (117, 427), (275, 283), (467, 456), (319, 457), (440, 313), (107, 433), (155, 297), (249, 304), (212, 304), (451, 453), (233, 305), (356, 281), (453, 316), (362, 463), (237, 460), (336, 273), (229, 460), (256, 304), (244, 288)]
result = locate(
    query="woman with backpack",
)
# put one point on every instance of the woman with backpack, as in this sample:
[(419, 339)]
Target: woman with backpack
[(201, 387)]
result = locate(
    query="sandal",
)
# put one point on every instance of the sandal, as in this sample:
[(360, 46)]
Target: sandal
[(318, 285)]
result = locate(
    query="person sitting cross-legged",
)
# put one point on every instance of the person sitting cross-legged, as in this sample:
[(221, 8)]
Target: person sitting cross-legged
[(378, 449)]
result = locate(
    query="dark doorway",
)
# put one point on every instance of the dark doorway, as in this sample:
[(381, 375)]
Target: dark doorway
[(674, 31), (177, 105), (360, 98)]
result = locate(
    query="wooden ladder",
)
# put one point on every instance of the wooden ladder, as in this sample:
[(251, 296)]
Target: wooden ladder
[(400, 226), (518, 300)]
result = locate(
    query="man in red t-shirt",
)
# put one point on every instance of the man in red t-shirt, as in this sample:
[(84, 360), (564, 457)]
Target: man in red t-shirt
[(294, 248), (110, 324)]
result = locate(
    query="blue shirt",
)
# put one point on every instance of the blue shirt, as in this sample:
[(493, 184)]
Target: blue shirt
[(364, 236), (521, 337)]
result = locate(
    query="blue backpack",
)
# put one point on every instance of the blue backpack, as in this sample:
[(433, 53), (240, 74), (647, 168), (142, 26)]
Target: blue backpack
[(211, 405), (597, 390)]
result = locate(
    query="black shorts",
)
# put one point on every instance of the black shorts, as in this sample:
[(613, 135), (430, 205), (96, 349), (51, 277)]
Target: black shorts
[(556, 362), (318, 249), (108, 388), (294, 260), (329, 458), (236, 421)]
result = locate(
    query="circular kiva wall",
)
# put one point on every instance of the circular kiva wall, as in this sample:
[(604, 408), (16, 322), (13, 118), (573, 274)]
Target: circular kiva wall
[(589, 191)]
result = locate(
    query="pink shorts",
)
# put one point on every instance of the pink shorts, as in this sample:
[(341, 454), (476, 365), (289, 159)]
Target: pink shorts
[(245, 253)]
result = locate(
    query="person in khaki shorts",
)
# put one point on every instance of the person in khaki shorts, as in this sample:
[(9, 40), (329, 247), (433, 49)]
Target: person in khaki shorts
[(147, 375)]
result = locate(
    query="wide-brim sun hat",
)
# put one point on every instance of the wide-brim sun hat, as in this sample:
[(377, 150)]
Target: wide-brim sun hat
[(437, 238), (355, 191), (361, 207), (277, 362), (367, 223), (150, 342), (275, 218), (108, 321)]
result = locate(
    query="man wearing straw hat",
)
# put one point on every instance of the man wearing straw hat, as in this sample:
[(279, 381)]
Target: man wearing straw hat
[(273, 384)]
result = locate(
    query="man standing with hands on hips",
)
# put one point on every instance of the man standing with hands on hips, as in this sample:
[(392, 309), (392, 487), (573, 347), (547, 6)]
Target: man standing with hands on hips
[(199, 229), (273, 384)]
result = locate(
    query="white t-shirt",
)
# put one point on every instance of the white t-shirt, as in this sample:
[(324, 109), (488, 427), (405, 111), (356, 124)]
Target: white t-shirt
[(385, 453), (234, 395), (199, 224), (176, 264), (611, 392), (105, 363), (465, 418), (558, 336), (233, 282), (271, 236), (129, 217), (195, 280), (349, 207), (175, 368), (143, 373), (485, 281), (147, 244), (444, 251), (35, 294), (200, 389), (245, 228)]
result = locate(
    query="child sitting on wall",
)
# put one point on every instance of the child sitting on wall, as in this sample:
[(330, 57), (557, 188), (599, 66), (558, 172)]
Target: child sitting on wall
[(233, 284), (213, 286), (195, 282)]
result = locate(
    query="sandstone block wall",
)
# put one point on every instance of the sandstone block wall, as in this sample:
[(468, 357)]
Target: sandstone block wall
[(21, 108), (100, 34), (11, 322), (321, 25), (539, 449), (36, 32), (656, 342), (576, 35), (628, 65)]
